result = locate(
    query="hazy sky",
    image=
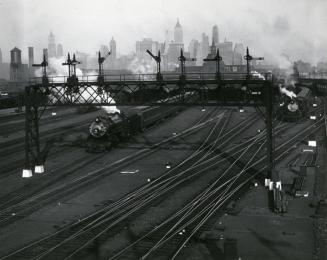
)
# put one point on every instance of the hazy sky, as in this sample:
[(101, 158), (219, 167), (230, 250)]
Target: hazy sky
[(269, 27)]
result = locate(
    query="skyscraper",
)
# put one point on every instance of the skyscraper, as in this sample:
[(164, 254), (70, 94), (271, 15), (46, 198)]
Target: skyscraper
[(194, 48), (226, 51), (205, 45), (52, 45), (178, 33), (146, 44), (213, 48), (0, 56), (60, 50), (113, 50), (215, 35), (239, 52)]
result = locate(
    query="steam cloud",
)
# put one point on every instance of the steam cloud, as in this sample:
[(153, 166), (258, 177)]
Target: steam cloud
[(285, 91)]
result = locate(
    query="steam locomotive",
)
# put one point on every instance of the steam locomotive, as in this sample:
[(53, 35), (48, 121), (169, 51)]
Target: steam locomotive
[(107, 130), (294, 109)]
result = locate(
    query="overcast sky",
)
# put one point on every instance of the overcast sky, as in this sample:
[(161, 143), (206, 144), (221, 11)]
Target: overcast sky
[(269, 27)]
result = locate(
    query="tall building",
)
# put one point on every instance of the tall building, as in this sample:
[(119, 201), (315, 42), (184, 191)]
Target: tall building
[(113, 50), (178, 33), (16, 64), (52, 45), (4, 69), (239, 53), (215, 35), (146, 44), (213, 48), (174, 52), (205, 45), (166, 43), (60, 50), (193, 48), (226, 52)]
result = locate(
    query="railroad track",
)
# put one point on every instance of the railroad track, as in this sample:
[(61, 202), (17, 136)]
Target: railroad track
[(201, 209), (21, 208), (205, 151), (96, 222)]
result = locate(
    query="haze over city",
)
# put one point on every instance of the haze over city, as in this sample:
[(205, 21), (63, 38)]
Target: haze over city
[(269, 28)]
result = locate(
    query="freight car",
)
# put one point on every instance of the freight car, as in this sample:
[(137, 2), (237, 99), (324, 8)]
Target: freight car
[(292, 109), (107, 130)]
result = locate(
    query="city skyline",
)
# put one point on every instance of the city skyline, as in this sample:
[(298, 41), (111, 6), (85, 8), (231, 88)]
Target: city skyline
[(281, 25)]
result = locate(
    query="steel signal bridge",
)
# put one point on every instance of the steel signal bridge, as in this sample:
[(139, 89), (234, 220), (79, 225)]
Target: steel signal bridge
[(160, 89)]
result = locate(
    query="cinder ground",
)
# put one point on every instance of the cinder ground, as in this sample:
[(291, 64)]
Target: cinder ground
[(60, 213), (261, 234)]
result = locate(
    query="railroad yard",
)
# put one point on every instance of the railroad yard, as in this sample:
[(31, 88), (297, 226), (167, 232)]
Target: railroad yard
[(190, 186), (163, 130)]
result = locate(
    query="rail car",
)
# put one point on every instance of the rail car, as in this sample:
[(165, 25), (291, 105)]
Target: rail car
[(107, 130), (294, 109), (8, 101)]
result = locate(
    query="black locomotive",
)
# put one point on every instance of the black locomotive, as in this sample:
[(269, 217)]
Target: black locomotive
[(296, 108), (107, 130)]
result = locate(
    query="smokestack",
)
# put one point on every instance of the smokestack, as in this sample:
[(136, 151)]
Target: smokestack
[(31, 61), (30, 57)]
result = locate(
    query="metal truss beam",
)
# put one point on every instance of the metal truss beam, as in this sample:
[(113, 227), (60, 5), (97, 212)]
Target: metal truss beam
[(190, 90)]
